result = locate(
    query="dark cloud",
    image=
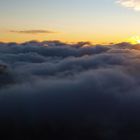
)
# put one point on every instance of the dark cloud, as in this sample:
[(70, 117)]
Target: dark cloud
[(33, 32), (70, 91)]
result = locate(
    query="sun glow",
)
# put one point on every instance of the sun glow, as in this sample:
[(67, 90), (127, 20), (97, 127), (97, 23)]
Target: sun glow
[(134, 40)]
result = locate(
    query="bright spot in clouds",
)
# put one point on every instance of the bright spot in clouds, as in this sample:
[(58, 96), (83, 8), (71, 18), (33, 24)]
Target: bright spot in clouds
[(135, 4), (134, 40)]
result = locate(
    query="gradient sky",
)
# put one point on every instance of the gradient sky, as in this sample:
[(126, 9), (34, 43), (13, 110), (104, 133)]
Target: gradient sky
[(98, 21)]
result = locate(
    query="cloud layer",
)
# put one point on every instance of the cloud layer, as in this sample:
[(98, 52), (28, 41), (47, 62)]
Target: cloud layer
[(33, 32), (134, 4), (70, 91)]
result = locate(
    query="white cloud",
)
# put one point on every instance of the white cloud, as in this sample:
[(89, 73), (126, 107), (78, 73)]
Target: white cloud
[(134, 4)]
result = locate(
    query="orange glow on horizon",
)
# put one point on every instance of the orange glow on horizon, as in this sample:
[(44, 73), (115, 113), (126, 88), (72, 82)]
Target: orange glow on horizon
[(70, 38)]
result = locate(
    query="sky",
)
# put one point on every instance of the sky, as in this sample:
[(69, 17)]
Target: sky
[(97, 21)]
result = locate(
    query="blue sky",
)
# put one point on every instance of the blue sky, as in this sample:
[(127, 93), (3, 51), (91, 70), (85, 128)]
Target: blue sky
[(73, 20)]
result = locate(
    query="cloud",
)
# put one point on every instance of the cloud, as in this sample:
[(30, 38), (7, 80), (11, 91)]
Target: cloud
[(134, 4), (33, 31), (56, 90)]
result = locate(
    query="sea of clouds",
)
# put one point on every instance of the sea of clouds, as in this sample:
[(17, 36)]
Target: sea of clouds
[(70, 91)]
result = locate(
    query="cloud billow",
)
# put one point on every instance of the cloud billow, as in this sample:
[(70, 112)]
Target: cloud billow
[(56, 90)]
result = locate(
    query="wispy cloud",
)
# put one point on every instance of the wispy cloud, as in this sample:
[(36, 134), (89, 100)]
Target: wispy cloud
[(33, 31), (134, 4)]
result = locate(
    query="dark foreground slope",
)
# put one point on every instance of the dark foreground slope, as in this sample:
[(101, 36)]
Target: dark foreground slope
[(53, 90)]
